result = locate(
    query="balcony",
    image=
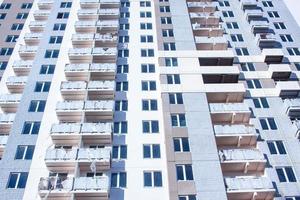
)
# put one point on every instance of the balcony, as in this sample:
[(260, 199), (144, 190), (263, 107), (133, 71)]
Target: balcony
[(207, 30), (9, 102), (229, 92), (32, 39), (89, 40), (97, 90), (296, 124), (88, 133), (87, 4), (105, 71), (259, 26), (249, 188), (204, 18), (279, 71), (91, 110), (45, 4), (201, 7), (16, 84), (97, 55), (6, 121), (85, 26), (3, 141), (96, 3), (107, 26), (37, 26), (21, 67), (211, 43), (292, 107), (67, 160), (287, 89), (248, 4), (242, 160), (272, 56), (254, 14), (95, 14), (28, 52), (82, 187), (41, 15), (235, 135), (266, 40)]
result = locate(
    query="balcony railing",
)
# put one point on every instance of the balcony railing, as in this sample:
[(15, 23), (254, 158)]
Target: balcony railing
[(6, 121), (16, 84), (9, 102), (45, 4), (211, 43), (37, 26), (292, 107)]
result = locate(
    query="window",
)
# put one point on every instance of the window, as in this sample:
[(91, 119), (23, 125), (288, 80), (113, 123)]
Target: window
[(145, 4), (286, 174), (184, 172), (178, 120), (146, 38), (286, 38), (164, 9), (150, 126), (151, 151), (5, 6), (175, 98), (62, 15), (17, 180), (268, 123), (124, 39), (3, 65), (26, 5), (47, 69), (51, 53), (149, 105), (163, 0), (260, 102), (66, 4), (242, 51), (173, 79), (2, 15), (148, 85), (11, 38), (122, 86), (42, 86), (171, 62), (237, 38), (276, 147), (123, 53), (293, 198), (55, 39), (167, 33), (59, 27), (6, 51), (293, 51), (146, 26), (273, 14), (247, 67), (224, 3), (125, 4), (145, 14), (228, 14), (181, 144), (187, 197), (120, 127), (169, 46), (124, 26), (31, 128), (122, 69), (232, 25), (124, 15), (17, 27), (152, 179), (166, 20), (24, 152), (22, 15), (267, 3), (147, 52), (279, 25), (121, 105), (118, 180), (37, 106), (254, 83), (119, 152), (148, 68)]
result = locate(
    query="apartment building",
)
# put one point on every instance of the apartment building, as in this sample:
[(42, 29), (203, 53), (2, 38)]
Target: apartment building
[(164, 99)]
